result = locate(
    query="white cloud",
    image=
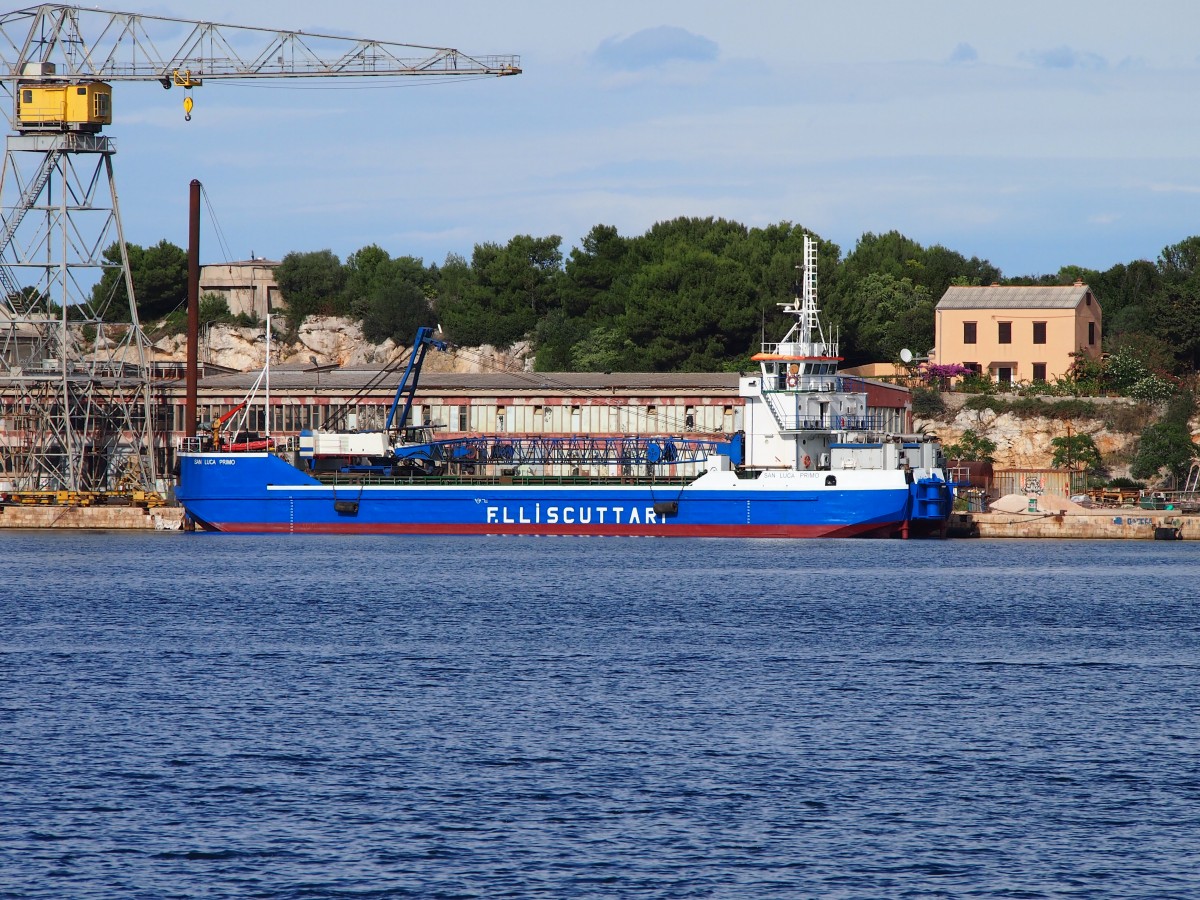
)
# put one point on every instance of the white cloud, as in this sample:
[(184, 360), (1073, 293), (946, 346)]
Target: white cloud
[(651, 48)]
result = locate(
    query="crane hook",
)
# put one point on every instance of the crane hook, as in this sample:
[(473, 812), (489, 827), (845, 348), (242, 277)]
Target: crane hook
[(187, 109)]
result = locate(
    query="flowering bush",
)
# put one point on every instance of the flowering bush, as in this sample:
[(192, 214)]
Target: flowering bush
[(943, 373)]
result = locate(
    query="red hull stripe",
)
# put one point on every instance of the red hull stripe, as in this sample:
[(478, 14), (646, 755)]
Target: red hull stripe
[(733, 531)]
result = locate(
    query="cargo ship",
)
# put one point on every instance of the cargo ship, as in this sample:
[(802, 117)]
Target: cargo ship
[(811, 462)]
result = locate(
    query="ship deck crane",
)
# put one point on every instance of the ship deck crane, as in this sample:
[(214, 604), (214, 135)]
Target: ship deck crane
[(75, 383)]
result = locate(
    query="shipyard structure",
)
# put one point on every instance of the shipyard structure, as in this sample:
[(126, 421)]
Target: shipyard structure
[(246, 407)]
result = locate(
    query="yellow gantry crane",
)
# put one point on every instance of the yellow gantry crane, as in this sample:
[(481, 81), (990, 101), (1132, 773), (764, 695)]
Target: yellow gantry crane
[(76, 412)]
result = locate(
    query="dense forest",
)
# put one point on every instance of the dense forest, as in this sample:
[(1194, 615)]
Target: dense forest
[(688, 295)]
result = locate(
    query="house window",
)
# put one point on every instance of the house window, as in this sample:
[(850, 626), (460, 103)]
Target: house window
[(1039, 332), (968, 332), (1092, 333), (1004, 374), (976, 368), (1004, 334), (1039, 371)]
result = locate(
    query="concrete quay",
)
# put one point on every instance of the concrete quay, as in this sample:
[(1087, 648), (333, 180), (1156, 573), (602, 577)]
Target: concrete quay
[(124, 518), (1115, 524)]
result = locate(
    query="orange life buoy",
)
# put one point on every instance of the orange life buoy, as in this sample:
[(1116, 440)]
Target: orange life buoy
[(807, 461)]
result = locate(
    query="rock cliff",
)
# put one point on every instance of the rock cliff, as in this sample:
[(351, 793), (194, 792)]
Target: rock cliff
[(1025, 442), (328, 340)]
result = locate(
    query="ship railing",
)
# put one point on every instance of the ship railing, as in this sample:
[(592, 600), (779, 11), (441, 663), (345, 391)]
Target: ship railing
[(202, 443), (368, 479), (1183, 501), (807, 384), (575, 450), (866, 423)]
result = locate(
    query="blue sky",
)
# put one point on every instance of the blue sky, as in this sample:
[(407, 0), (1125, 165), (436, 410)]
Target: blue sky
[(1032, 134)]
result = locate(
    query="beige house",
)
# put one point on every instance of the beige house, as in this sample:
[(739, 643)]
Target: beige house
[(248, 287), (1016, 334)]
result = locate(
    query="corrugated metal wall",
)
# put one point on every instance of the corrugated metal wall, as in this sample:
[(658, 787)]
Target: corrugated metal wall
[(1035, 482)]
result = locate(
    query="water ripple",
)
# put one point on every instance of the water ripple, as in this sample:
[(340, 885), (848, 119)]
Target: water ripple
[(321, 718)]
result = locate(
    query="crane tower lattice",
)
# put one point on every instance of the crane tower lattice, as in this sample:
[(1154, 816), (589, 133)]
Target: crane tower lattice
[(76, 407)]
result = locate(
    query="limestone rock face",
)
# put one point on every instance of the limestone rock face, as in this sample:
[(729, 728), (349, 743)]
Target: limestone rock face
[(1025, 443), (334, 341)]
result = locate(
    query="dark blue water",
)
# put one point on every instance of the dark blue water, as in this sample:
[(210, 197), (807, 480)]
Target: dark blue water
[(211, 716)]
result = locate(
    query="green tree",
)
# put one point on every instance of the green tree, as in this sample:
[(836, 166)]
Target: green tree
[(971, 447), (690, 312), (511, 289), (1075, 451), (1167, 446), (1174, 308), (603, 350), (395, 309), (365, 270), (160, 280), (159, 276), (591, 294), (389, 296), (1123, 292), (594, 274), (311, 283), (892, 314)]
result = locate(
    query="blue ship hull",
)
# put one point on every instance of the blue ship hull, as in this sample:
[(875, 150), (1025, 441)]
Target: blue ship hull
[(259, 492)]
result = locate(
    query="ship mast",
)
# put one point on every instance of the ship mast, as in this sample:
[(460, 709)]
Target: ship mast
[(805, 342)]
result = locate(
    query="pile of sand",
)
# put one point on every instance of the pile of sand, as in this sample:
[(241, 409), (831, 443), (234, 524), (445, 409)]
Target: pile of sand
[(1047, 504)]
